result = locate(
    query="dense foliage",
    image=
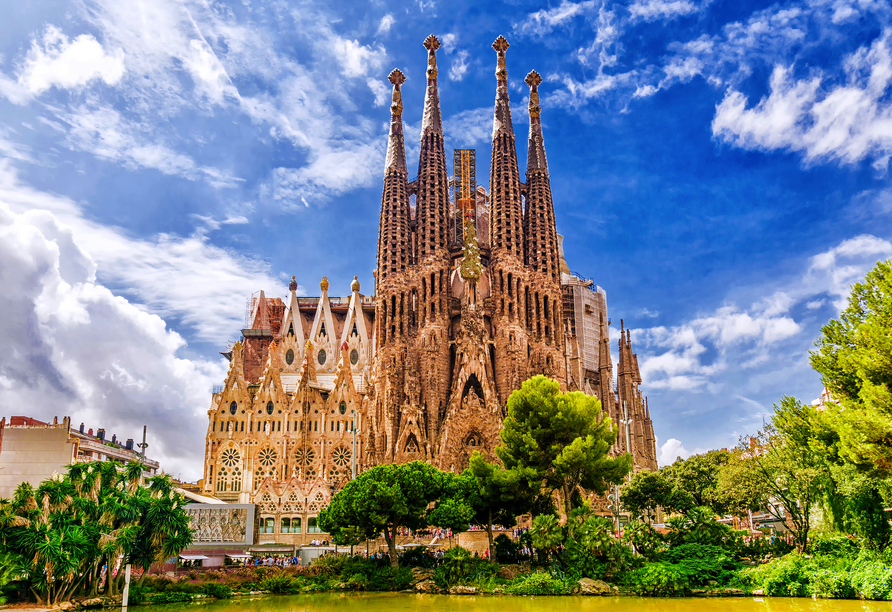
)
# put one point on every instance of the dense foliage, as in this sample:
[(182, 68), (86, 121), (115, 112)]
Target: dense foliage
[(60, 535)]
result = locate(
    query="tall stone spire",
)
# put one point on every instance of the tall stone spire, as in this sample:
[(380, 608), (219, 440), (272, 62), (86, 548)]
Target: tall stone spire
[(393, 232), (539, 226), (505, 215), (433, 182), (396, 147)]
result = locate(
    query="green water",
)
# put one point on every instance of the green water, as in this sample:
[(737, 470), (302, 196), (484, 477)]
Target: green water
[(399, 602)]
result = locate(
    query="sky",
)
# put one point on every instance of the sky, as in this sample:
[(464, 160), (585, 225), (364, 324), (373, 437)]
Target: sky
[(720, 168)]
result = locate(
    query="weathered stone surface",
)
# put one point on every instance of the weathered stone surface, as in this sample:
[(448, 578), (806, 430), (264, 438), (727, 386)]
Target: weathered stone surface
[(462, 590), (587, 586), (427, 586), (758, 592)]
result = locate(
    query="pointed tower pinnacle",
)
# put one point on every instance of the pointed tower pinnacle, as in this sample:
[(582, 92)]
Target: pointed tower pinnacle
[(396, 148), (432, 199), (503, 110), (505, 211), (536, 157), (431, 120)]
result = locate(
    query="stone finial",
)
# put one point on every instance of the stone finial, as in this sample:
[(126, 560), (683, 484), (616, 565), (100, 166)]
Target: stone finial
[(354, 286), (431, 43), (324, 284), (397, 78), (501, 45), (292, 286), (533, 79)]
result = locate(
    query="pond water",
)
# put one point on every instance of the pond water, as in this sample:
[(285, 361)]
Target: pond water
[(400, 602)]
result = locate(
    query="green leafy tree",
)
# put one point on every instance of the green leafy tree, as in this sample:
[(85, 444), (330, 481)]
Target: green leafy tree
[(647, 491), (547, 534), (495, 495), (778, 471), (385, 498), (98, 514), (854, 358), (698, 476), (564, 438)]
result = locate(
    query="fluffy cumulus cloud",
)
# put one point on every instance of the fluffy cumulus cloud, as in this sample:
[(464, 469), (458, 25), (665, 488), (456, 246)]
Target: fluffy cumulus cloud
[(55, 60), (847, 121), (184, 278), (672, 450), (693, 355), (650, 10), (73, 348)]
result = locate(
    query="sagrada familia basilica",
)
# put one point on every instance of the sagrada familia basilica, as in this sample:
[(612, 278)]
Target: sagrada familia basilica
[(472, 297)]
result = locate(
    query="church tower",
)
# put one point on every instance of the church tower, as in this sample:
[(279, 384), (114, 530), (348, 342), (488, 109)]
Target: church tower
[(510, 289), (544, 302), (430, 294), (394, 256)]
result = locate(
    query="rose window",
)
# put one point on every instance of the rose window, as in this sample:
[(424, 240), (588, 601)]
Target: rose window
[(305, 458), (230, 457), (341, 456), (267, 457)]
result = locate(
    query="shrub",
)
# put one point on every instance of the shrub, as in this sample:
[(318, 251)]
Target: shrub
[(506, 549), (834, 545), (659, 578), (216, 589), (280, 585), (871, 579), (702, 562), (417, 557), (645, 538), (457, 564), (786, 576), (831, 584), (540, 583)]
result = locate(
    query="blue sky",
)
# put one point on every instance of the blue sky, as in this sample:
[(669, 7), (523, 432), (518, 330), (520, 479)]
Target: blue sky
[(720, 168)]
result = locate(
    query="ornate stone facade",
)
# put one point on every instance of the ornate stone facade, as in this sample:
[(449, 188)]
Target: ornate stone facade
[(427, 364)]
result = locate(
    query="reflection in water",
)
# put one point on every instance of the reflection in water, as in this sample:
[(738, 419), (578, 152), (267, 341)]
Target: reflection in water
[(398, 602)]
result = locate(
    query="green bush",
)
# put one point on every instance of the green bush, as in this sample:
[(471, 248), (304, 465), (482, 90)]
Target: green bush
[(540, 583), (506, 549), (831, 584), (280, 584), (645, 538), (786, 576), (834, 545), (216, 589), (871, 579), (702, 563), (659, 578), (457, 564)]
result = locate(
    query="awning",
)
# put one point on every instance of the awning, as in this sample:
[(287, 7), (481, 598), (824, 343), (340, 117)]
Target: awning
[(271, 549), (239, 556), (193, 557)]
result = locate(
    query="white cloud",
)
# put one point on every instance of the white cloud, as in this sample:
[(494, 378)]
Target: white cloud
[(672, 450), (382, 93), (73, 348), (386, 23), (107, 135), (650, 10), (58, 61), (544, 21), (692, 355), (355, 59), (460, 66), (188, 279), (848, 122), (475, 127)]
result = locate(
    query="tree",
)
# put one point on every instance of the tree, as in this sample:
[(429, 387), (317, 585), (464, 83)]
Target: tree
[(647, 491), (854, 358), (494, 494), (563, 437), (778, 471), (385, 498), (98, 514), (698, 476)]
